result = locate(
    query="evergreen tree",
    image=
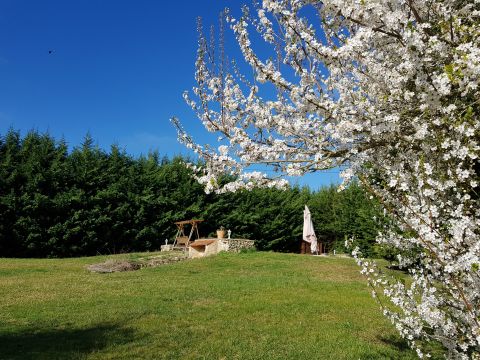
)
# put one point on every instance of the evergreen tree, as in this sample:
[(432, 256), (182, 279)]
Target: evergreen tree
[(86, 202)]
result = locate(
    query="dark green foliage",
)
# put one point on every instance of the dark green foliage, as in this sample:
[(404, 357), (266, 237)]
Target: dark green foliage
[(58, 204), (272, 217)]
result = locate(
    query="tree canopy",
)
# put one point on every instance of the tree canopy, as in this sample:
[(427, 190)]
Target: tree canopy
[(388, 89), (58, 203)]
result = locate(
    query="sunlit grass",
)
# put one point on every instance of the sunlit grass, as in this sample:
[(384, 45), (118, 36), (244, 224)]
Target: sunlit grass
[(244, 306)]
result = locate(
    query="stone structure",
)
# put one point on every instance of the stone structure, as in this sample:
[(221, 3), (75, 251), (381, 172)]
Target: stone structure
[(168, 247), (236, 245), (205, 247)]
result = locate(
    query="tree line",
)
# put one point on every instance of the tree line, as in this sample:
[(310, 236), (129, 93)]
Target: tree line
[(87, 201)]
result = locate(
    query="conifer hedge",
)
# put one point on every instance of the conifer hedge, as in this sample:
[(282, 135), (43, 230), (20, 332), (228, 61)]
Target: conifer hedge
[(60, 203)]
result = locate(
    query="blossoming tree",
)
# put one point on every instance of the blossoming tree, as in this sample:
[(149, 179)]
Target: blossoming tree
[(389, 90)]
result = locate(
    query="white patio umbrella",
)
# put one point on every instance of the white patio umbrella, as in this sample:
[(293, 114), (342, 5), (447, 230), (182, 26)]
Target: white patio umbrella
[(308, 231)]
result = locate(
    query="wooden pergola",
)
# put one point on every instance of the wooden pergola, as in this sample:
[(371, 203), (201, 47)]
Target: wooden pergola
[(181, 239)]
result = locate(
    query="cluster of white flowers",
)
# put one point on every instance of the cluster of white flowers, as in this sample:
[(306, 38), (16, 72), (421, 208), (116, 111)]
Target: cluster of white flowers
[(389, 89)]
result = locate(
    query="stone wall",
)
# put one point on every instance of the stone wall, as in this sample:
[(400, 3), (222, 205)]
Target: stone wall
[(236, 245), (205, 247)]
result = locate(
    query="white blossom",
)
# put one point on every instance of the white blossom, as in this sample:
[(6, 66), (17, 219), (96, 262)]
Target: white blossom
[(389, 91)]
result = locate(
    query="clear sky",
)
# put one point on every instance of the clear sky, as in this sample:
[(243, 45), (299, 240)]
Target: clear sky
[(117, 69)]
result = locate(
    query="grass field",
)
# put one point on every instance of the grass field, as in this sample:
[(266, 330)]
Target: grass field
[(244, 306)]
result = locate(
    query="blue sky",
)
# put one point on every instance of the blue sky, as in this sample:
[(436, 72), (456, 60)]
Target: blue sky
[(118, 70)]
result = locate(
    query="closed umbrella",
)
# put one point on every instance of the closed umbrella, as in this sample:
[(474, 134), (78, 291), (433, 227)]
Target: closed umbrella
[(308, 231)]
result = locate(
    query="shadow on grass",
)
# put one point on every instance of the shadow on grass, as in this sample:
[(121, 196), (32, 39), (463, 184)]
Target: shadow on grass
[(395, 342), (394, 348), (62, 343), (399, 349)]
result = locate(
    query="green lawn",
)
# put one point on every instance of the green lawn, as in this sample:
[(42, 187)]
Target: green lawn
[(245, 306)]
